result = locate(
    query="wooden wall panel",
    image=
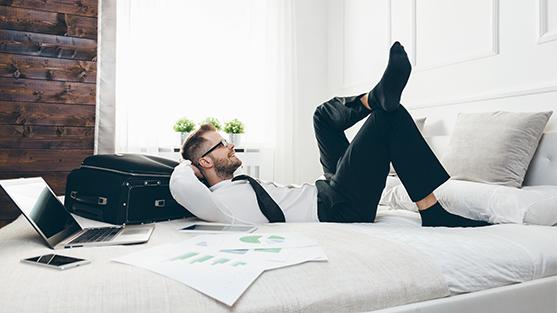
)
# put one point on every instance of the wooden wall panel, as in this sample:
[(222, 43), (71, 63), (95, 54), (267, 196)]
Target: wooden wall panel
[(79, 7), (48, 22), (18, 66), (48, 51), (46, 137), (43, 45), (31, 90), (37, 113), (56, 180), (41, 160)]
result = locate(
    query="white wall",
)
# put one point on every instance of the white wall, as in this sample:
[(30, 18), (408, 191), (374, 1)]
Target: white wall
[(319, 30), (474, 55), (508, 62), (312, 86), (467, 56)]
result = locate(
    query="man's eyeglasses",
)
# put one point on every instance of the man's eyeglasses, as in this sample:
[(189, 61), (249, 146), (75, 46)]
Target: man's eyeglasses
[(223, 142)]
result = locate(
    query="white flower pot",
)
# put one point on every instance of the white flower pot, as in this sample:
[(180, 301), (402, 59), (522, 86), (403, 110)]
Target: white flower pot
[(235, 139), (183, 137)]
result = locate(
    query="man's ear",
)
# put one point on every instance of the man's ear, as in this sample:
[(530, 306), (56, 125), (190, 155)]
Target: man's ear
[(205, 162)]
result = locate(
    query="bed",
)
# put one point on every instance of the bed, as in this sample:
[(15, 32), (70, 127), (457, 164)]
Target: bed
[(393, 265)]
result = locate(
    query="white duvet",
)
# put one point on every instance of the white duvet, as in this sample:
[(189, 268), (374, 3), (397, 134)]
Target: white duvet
[(363, 273), (371, 266), (534, 205), (473, 259)]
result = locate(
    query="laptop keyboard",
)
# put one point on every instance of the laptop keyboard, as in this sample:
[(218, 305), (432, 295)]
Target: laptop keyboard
[(97, 235)]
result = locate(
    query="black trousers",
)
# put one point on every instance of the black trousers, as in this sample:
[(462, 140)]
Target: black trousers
[(356, 172)]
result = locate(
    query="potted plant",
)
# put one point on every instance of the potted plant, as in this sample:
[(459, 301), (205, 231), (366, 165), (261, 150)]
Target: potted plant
[(213, 121), (184, 126), (234, 129)]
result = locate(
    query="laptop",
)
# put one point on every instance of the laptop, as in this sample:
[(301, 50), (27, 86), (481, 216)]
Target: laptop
[(57, 226)]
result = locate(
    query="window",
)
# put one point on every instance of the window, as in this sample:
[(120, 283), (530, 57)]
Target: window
[(194, 58)]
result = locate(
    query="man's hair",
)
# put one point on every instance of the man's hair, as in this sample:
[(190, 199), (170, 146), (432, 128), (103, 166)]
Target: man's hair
[(193, 146)]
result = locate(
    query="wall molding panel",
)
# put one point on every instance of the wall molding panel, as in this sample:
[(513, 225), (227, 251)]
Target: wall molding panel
[(491, 51), (467, 56), (544, 34), (346, 83), (517, 92)]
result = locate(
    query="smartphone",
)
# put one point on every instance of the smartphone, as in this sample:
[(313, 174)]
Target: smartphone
[(217, 228), (60, 262)]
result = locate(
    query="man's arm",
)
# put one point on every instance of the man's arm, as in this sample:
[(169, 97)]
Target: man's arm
[(191, 193)]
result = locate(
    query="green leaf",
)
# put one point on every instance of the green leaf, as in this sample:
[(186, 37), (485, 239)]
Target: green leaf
[(234, 127), (184, 125)]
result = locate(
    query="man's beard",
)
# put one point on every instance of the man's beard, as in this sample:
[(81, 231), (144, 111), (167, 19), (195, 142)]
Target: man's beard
[(225, 168)]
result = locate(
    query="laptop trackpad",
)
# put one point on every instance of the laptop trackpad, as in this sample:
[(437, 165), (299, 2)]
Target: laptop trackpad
[(135, 231)]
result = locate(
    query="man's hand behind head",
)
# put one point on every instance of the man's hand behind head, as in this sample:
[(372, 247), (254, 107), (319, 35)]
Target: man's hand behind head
[(197, 172)]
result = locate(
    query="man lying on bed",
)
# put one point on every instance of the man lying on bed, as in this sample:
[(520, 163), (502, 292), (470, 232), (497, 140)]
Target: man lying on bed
[(355, 172)]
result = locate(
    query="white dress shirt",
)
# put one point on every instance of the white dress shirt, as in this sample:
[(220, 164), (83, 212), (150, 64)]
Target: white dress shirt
[(235, 202)]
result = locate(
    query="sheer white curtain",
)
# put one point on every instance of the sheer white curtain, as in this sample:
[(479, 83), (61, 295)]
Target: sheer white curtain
[(200, 58)]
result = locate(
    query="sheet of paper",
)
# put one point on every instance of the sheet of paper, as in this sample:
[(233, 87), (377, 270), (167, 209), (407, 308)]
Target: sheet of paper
[(221, 267), (222, 276), (254, 241)]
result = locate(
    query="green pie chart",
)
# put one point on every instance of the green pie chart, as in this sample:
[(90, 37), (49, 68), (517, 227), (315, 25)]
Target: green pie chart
[(257, 239), (250, 239), (275, 239)]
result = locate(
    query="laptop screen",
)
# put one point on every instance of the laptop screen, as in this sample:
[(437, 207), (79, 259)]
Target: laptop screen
[(39, 204)]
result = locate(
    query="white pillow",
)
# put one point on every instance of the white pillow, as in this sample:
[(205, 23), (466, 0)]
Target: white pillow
[(420, 122), (494, 147), (496, 204), (544, 210)]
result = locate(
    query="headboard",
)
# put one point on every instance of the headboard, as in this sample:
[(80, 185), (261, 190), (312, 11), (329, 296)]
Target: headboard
[(542, 169)]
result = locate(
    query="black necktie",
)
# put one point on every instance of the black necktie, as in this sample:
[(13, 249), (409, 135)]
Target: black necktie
[(267, 205)]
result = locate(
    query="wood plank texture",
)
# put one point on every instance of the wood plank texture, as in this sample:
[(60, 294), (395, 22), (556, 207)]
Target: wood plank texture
[(48, 51), (48, 22), (33, 113), (41, 161), (29, 90), (20, 66), (8, 210), (79, 7), (46, 137), (56, 181), (20, 42)]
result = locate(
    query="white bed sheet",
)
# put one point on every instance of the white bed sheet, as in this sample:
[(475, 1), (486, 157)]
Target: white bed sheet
[(355, 279), (473, 259), (467, 259)]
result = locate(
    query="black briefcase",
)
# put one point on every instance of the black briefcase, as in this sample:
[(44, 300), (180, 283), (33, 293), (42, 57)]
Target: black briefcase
[(123, 189)]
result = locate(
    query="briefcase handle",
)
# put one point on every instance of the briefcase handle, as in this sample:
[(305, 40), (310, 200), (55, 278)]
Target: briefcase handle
[(92, 200)]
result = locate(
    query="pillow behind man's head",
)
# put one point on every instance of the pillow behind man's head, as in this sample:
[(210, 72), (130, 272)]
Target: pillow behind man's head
[(495, 147)]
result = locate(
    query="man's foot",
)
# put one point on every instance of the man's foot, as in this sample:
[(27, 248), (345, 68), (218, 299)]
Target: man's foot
[(436, 215), (387, 92)]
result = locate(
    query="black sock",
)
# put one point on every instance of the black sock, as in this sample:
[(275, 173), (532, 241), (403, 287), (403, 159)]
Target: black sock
[(387, 92), (436, 215)]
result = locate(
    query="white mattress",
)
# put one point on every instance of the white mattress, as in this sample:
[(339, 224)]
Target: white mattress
[(355, 278), (473, 259), (371, 266)]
